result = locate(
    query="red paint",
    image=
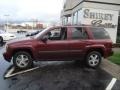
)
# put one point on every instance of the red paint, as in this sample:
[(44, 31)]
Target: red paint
[(60, 49)]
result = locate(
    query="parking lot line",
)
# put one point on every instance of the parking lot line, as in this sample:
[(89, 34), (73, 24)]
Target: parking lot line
[(111, 84), (9, 74)]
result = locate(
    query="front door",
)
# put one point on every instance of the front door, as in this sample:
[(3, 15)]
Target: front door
[(56, 47)]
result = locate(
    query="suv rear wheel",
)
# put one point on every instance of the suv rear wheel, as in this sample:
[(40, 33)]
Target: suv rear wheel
[(93, 59), (22, 60)]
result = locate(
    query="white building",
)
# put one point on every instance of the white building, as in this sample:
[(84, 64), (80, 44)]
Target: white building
[(101, 13)]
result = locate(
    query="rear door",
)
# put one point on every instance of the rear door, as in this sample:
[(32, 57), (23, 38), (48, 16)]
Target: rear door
[(77, 43)]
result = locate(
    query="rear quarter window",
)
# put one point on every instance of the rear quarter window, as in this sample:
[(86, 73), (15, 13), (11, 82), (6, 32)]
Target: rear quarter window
[(100, 33)]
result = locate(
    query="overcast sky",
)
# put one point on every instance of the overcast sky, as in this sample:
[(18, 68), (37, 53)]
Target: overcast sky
[(44, 10)]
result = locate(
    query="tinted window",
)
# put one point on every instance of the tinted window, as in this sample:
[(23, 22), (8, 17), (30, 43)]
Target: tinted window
[(79, 33), (75, 18), (100, 33)]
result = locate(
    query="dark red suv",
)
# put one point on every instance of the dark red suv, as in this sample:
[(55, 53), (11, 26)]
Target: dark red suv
[(61, 43)]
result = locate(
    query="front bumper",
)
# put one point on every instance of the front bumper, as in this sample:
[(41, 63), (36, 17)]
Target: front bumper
[(7, 56)]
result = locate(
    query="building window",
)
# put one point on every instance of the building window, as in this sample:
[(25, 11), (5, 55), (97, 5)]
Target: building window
[(66, 20), (79, 17), (69, 20), (75, 18)]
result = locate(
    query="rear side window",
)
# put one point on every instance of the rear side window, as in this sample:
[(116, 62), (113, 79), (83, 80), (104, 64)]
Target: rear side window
[(100, 33), (79, 33)]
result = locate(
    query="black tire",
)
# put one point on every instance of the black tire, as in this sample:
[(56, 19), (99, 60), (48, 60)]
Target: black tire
[(29, 61), (93, 63), (1, 40)]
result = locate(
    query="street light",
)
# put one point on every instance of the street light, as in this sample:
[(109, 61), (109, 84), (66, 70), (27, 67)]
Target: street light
[(6, 21)]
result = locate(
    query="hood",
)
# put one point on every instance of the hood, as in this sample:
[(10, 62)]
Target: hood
[(21, 41)]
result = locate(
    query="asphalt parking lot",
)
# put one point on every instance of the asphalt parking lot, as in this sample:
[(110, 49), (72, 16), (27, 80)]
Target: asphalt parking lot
[(56, 76)]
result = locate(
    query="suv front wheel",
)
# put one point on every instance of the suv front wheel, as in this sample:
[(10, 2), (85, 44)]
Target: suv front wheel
[(22, 60), (93, 59)]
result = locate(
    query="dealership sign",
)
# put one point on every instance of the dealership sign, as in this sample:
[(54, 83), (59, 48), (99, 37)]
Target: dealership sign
[(100, 18)]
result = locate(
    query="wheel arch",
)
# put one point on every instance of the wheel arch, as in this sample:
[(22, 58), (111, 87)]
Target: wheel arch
[(25, 50), (100, 50)]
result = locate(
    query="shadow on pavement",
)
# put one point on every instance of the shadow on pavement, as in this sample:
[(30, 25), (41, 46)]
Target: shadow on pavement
[(60, 75)]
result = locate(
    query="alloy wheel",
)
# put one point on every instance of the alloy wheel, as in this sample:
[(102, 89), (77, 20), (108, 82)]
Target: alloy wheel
[(22, 60), (93, 60)]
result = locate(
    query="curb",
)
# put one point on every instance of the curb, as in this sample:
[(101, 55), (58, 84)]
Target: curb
[(111, 68)]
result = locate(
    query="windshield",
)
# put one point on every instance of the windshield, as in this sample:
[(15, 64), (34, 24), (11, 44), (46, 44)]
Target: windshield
[(39, 34), (2, 32)]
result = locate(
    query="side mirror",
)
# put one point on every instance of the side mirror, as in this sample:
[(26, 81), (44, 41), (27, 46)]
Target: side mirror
[(44, 39)]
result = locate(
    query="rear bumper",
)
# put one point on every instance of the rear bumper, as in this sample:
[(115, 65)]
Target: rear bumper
[(7, 56)]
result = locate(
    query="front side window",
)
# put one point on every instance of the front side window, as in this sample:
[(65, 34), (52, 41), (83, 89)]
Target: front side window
[(100, 33), (57, 34), (79, 33)]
